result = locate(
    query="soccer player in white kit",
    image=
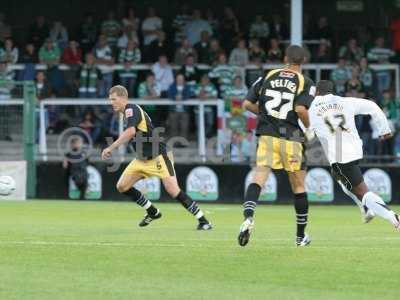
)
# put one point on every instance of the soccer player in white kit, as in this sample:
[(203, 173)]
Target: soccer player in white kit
[(332, 119)]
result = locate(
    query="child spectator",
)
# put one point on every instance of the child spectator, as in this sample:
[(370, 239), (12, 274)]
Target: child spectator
[(91, 125)]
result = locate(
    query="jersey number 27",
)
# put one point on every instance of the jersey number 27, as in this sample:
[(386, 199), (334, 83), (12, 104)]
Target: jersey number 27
[(275, 107)]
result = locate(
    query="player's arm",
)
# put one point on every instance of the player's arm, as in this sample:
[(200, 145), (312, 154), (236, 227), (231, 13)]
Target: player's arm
[(250, 106), (302, 112), (251, 101), (125, 137), (368, 107), (133, 117), (303, 103)]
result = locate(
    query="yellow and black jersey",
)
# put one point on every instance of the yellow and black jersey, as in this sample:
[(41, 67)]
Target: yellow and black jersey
[(277, 94), (147, 145)]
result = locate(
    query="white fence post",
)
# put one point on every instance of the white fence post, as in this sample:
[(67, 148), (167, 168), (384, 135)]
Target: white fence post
[(42, 131), (201, 135)]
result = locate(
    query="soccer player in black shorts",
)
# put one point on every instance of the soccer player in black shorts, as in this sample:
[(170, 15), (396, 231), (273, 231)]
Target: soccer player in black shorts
[(280, 99)]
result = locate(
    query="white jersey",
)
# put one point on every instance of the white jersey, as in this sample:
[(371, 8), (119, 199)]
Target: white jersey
[(332, 119)]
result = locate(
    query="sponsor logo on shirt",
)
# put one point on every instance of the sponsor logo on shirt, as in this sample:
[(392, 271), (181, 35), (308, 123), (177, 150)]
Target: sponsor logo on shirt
[(128, 113), (286, 74)]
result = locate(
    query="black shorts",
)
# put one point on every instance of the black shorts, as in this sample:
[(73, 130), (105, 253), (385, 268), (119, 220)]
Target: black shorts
[(349, 174)]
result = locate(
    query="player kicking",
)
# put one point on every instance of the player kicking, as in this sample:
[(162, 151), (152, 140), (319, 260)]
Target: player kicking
[(153, 159), (280, 99), (332, 119)]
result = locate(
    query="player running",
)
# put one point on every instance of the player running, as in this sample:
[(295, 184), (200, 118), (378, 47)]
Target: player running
[(153, 159), (332, 119), (280, 99)]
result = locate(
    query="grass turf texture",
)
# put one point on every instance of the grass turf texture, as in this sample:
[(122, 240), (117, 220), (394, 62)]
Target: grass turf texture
[(95, 250)]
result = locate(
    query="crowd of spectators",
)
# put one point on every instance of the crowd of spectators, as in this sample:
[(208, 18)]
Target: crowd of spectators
[(175, 57)]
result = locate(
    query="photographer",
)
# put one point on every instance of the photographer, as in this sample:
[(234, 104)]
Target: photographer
[(75, 162)]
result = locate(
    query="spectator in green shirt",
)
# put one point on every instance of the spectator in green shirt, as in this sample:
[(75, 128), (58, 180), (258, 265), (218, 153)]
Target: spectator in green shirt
[(150, 90), (111, 28), (49, 53)]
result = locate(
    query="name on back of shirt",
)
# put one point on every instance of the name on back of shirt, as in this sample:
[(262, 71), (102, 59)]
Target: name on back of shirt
[(284, 83)]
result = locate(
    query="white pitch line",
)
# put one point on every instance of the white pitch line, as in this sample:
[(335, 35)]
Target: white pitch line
[(181, 245)]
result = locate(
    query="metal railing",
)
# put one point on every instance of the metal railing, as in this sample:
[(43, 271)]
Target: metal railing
[(318, 68), (201, 133)]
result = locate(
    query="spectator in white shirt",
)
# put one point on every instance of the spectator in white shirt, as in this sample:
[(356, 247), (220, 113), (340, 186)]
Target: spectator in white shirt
[(163, 73), (104, 56), (9, 53), (196, 26), (240, 55), (150, 26), (259, 28)]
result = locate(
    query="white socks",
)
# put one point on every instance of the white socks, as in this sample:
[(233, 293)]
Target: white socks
[(378, 206)]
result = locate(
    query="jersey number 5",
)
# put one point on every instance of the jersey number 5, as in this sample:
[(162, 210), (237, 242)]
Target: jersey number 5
[(275, 107)]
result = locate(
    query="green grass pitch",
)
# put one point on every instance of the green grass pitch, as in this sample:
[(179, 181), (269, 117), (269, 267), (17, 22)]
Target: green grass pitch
[(95, 250)]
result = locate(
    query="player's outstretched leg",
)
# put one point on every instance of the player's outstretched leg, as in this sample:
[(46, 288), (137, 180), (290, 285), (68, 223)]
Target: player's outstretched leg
[(125, 186), (172, 187), (379, 207), (375, 203), (367, 215)]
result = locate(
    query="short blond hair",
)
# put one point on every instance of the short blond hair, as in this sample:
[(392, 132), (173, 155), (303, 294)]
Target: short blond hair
[(120, 90)]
